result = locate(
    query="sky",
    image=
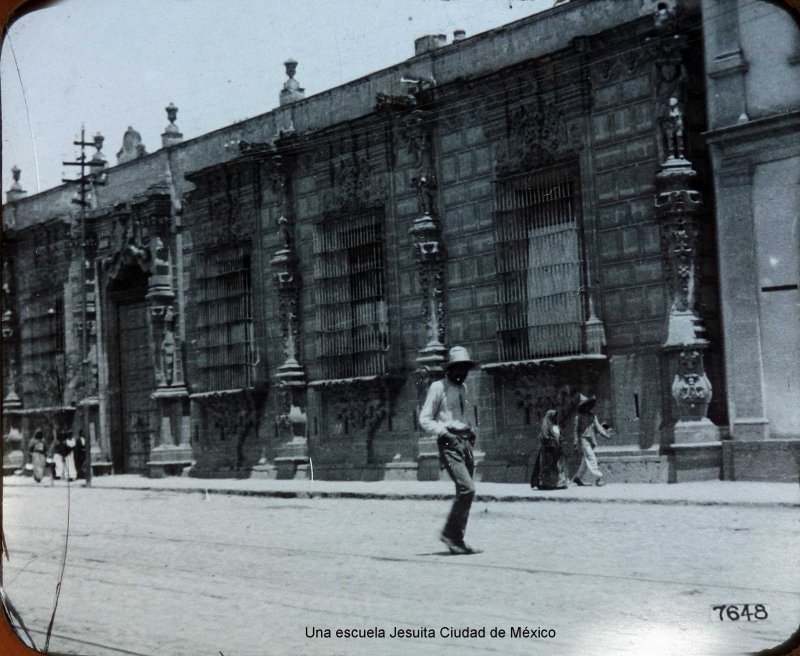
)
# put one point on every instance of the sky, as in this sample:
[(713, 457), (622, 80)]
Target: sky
[(110, 64)]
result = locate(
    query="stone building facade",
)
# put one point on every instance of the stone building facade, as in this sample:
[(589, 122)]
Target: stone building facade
[(273, 298), (753, 73)]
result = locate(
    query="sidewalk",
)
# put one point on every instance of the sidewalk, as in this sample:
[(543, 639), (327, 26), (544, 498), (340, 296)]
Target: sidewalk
[(704, 493)]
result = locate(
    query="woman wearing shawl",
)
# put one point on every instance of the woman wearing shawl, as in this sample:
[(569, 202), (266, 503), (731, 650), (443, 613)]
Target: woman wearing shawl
[(550, 470)]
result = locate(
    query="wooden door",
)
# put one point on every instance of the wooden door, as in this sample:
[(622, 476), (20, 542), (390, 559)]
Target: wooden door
[(136, 385)]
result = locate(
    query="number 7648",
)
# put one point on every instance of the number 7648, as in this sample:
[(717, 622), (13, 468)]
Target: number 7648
[(736, 612)]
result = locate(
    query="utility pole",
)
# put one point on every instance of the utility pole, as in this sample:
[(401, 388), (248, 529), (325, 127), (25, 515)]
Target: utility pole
[(86, 179)]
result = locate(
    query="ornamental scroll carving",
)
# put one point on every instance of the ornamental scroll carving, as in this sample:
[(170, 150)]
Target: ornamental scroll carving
[(539, 135), (355, 184)]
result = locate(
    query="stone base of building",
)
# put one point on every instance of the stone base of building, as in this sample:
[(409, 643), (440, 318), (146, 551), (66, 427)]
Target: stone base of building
[(13, 461), (701, 461), (102, 468), (400, 471), (764, 460), (498, 471), (696, 432), (633, 465), (168, 461), (202, 472), (292, 468)]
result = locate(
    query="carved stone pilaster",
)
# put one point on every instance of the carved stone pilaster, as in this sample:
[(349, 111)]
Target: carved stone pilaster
[(426, 237), (677, 207), (291, 377)]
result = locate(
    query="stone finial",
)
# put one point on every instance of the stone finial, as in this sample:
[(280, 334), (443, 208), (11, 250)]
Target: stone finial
[(172, 134), (292, 91), (16, 191), (132, 146), (428, 43), (98, 156)]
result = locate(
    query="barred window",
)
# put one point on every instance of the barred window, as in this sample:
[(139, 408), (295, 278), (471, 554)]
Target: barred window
[(43, 350), (225, 319), (539, 246), (352, 313)]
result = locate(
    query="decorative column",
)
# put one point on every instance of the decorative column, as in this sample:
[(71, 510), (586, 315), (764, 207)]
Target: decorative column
[(292, 455), (415, 133), (677, 205), (427, 241), (13, 448), (172, 451)]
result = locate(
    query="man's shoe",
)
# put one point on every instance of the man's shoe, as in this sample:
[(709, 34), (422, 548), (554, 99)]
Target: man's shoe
[(578, 481), (454, 547), (470, 550), (600, 482)]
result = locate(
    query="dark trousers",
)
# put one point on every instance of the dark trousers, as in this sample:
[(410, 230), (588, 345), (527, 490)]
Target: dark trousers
[(458, 462)]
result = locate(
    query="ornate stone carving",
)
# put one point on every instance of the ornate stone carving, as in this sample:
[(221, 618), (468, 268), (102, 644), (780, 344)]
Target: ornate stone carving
[(666, 53), (233, 416), (132, 146), (690, 387), (388, 104), (539, 388), (361, 404), (611, 69), (131, 250), (538, 136), (673, 131), (355, 185), (226, 222), (677, 207)]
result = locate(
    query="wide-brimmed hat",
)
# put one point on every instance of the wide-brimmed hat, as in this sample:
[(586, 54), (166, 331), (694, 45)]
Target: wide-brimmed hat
[(586, 402), (459, 355)]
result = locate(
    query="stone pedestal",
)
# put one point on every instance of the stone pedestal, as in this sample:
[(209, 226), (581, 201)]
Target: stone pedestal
[(698, 461), (695, 432), (171, 455), (428, 459)]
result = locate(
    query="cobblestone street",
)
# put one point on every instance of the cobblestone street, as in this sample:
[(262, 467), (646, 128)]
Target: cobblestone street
[(172, 573)]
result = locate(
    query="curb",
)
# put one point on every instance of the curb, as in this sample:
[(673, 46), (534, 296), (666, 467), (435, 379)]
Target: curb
[(444, 496)]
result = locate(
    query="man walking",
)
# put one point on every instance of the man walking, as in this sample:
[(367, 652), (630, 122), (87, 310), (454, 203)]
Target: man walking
[(446, 414)]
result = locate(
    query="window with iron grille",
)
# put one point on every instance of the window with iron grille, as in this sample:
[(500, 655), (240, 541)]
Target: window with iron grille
[(225, 319), (351, 276), (540, 264), (43, 350)]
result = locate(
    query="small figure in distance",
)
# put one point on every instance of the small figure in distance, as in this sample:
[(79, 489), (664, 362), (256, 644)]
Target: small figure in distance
[(550, 468), (446, 414), (587, 429), (38, 450)]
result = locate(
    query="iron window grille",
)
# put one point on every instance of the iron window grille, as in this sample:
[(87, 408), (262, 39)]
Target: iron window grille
[(540, 264), (225, 344), (43, 342), (350, 269)]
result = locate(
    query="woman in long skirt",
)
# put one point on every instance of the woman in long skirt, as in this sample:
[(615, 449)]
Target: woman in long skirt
[(38, 451), (550, 469)]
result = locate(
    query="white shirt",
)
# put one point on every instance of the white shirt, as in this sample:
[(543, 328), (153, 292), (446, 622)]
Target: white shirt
[(446, 403)]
